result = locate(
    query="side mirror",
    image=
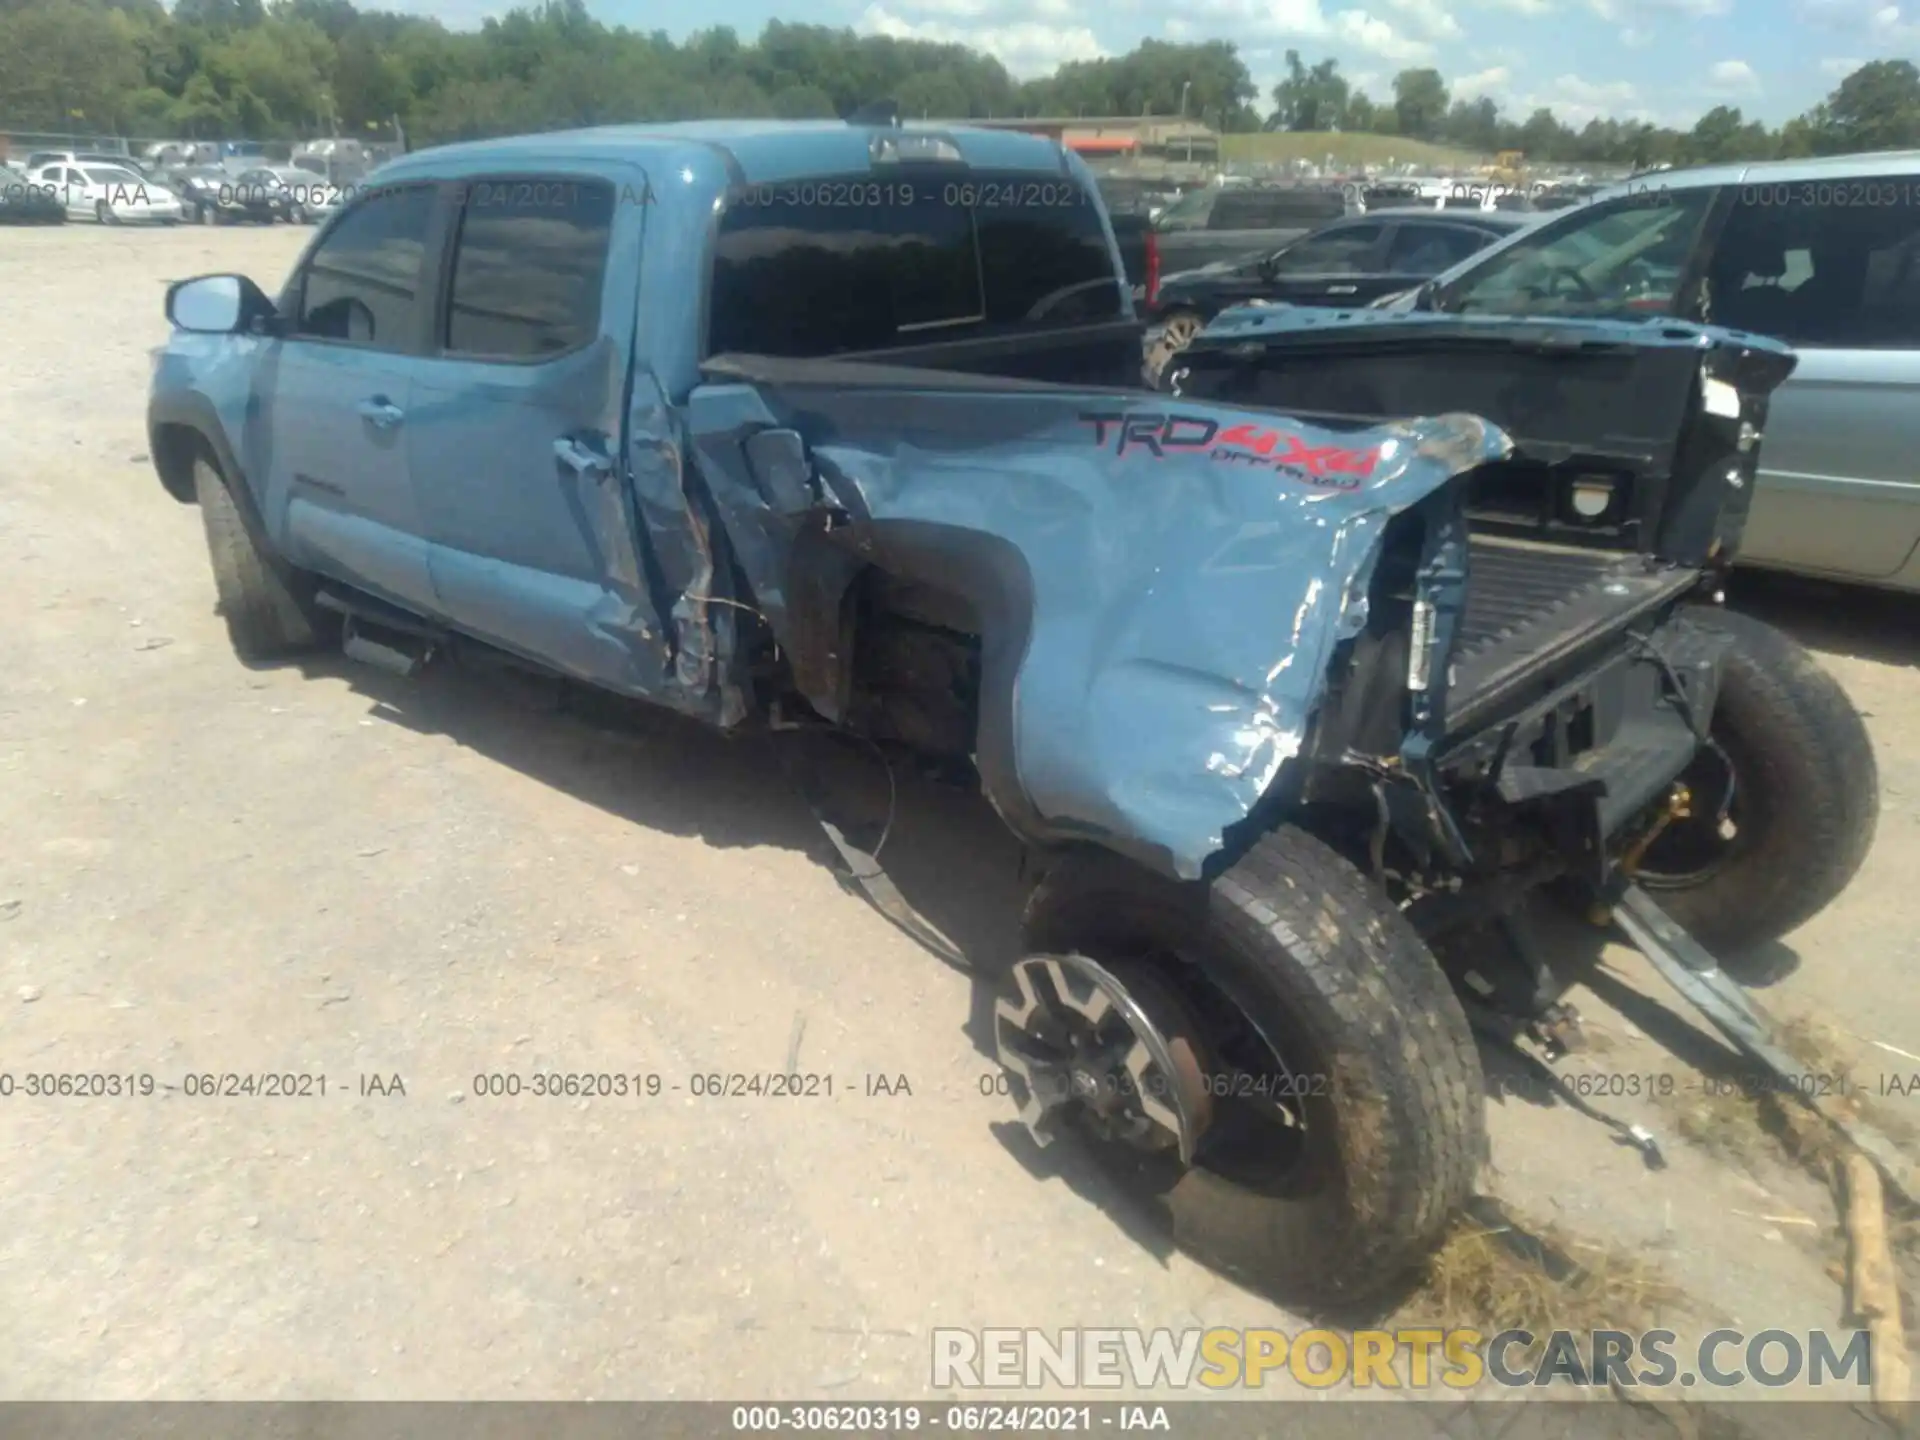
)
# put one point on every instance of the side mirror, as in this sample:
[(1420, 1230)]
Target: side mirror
[(216, 304)]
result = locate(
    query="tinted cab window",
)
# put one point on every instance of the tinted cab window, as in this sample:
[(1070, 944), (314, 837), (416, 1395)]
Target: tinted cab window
[(527, 268), (1625, 257), (1802, 263), (363, 285), (905, 264), (1190, 212)]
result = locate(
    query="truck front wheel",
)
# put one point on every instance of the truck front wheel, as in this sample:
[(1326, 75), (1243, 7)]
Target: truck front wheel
[(1276, 1056), (1793, 770), (268, 607)]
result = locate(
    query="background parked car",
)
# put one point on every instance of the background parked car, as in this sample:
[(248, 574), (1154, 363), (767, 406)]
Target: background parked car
[(41, 158), (1823, 254), (295, 195), (212, 197), (110, 194), (24, 201), (1224, 222), (1352, 261)]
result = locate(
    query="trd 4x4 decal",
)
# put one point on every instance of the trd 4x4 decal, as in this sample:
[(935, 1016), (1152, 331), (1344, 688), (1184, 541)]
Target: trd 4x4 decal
[(1245, 444)]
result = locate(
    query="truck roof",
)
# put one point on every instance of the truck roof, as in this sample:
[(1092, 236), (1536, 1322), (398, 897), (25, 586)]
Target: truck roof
[(754, 151)]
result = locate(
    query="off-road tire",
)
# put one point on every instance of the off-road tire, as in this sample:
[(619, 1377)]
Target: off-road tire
[(1808, 785), (1355, 995), (268, 606)]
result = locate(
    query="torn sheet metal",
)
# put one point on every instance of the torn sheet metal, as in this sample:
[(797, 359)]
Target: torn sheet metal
[(1161, 584)]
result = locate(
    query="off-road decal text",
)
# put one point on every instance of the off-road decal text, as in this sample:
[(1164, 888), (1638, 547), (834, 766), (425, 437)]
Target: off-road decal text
[(1155, 433)]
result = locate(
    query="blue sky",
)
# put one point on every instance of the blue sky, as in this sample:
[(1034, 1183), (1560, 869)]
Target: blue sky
[(1662, 60)]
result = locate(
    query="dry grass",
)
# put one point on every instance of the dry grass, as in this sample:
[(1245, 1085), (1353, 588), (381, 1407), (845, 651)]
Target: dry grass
[(1748, 1121), (1498, 1271)]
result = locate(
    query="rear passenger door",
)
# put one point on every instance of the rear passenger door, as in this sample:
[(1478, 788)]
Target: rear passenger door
[(1418, 251), (1833, 268), (338, 399), (514, 436)]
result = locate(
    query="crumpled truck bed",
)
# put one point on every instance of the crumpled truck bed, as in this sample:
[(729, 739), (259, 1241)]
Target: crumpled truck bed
[(1161, 584)]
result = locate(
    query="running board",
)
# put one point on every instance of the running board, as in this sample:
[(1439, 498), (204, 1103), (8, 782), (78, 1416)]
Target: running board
[(1697, 975), (402, 655), (382, 636)]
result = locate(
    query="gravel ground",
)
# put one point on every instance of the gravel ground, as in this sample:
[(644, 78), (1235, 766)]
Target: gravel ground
[(325, 871)]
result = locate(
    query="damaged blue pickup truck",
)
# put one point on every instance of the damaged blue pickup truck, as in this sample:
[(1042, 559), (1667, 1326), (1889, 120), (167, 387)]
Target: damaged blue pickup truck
[(1360, 636)]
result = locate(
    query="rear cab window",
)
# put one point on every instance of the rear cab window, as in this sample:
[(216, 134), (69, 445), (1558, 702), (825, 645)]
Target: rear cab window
[(529, 263), (846, 264), (1262, 208)]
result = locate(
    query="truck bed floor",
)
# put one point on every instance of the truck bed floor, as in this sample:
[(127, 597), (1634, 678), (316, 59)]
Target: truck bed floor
[(1533, 607)]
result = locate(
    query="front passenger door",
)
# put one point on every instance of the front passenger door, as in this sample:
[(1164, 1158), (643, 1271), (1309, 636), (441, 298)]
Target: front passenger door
[(337, 395)]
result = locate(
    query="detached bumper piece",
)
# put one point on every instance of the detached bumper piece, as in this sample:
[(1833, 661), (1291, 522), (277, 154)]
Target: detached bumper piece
[(1697, 975)]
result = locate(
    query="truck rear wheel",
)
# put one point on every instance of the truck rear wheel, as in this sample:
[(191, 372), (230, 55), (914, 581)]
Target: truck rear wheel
[(267, 605), (1804, 788), (1277, 1054)]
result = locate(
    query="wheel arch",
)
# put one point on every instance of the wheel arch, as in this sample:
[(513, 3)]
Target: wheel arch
[(988, 573), (181, 428)]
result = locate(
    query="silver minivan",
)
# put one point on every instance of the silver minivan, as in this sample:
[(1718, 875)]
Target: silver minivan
[(1824, 254)]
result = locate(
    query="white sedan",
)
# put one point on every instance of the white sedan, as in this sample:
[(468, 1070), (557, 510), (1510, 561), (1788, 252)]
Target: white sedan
[(110, 194)]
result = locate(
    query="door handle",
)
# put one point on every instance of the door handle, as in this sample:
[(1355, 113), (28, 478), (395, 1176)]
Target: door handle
[(581, 459), (1341, 289), (380, 412)]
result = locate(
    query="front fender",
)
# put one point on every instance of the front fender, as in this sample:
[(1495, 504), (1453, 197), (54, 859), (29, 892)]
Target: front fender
[(1161, 585)]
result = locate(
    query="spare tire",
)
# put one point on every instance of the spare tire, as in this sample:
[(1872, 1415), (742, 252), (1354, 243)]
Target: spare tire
[(1805, 796), (1297, 950)]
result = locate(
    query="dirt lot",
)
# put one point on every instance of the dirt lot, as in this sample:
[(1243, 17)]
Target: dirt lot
[(331, 872)]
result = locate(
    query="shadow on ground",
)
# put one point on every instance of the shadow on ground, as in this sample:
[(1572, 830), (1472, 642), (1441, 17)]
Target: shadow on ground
[(1876, 625), (948, 853)]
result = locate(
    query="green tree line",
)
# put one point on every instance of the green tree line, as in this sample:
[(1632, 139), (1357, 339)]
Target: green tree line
[(1877, 107), (278, 69)]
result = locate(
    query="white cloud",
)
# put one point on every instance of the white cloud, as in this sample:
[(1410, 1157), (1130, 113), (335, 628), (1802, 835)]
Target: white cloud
[(1491, 83), (1025, 47), (1838, 68), (1886, 24), (1378, 37), (1624, 10), (1889, 24), (1304, 20), (962, 9), (1429, 17), (1732, 77), (1521, 7), (1179, 29), (1635, 38), (1574, 101)]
